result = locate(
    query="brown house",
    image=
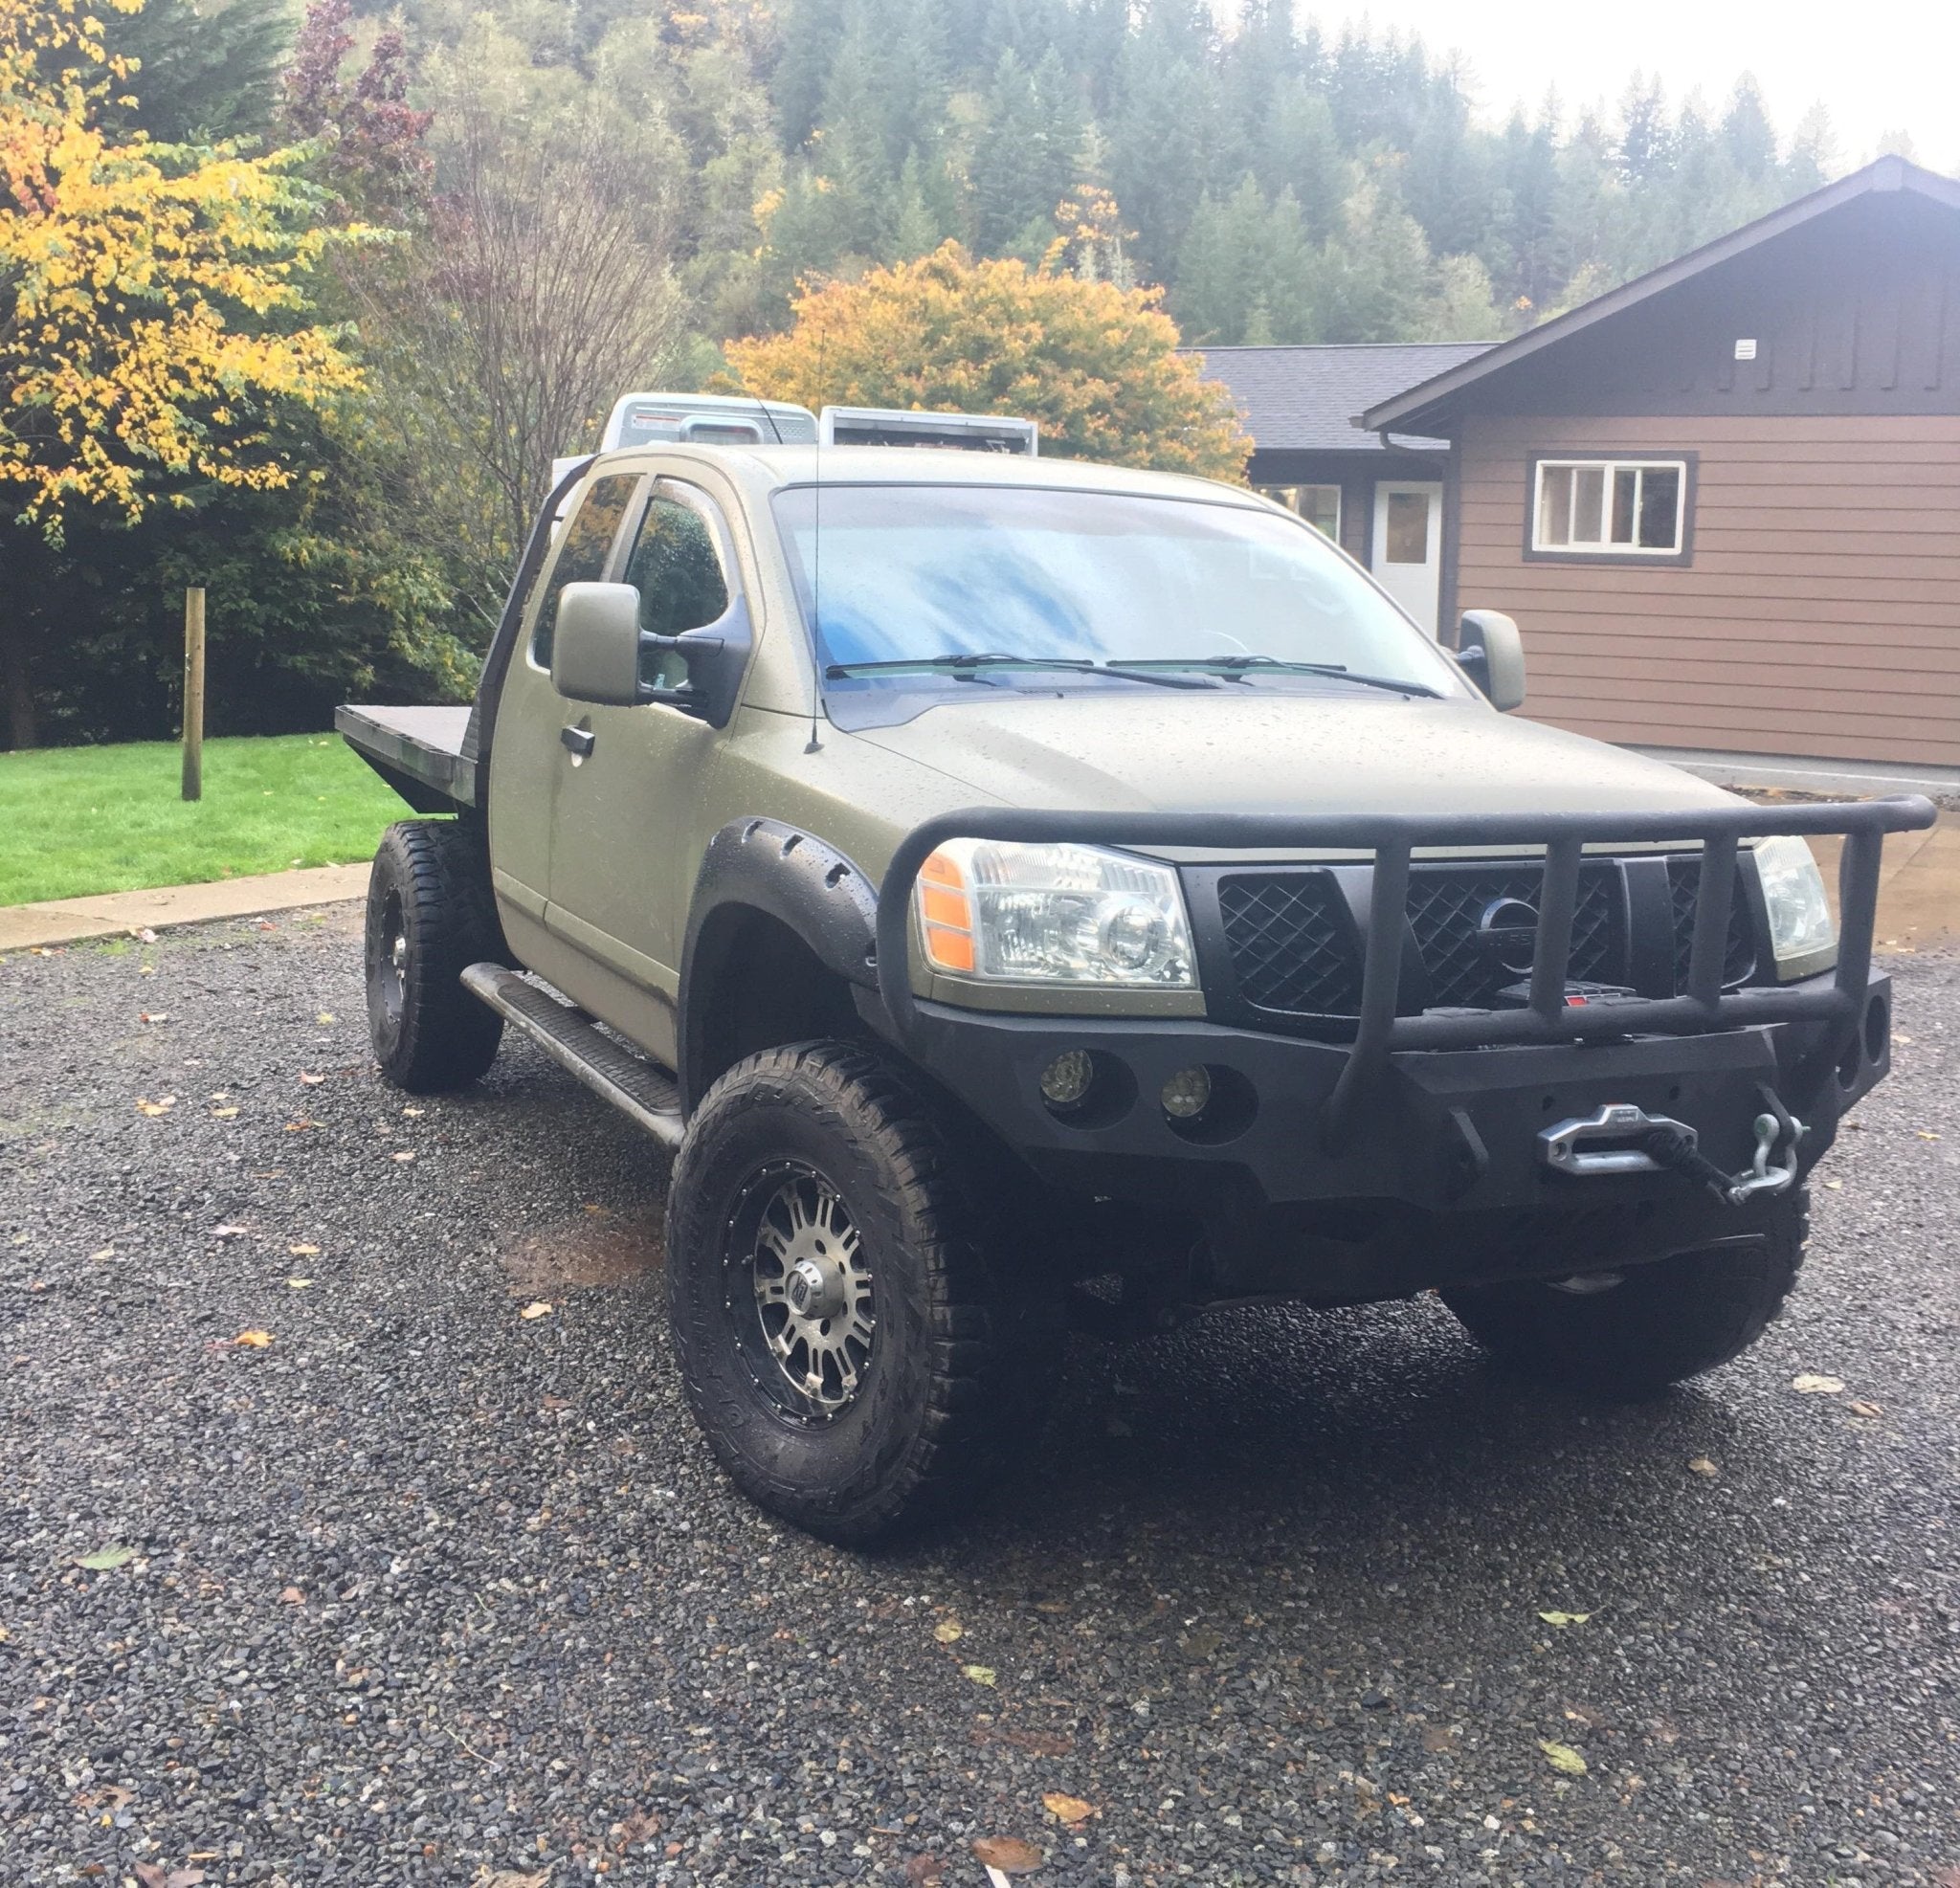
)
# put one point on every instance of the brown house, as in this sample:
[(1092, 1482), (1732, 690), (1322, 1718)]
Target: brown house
[(1724, 501)]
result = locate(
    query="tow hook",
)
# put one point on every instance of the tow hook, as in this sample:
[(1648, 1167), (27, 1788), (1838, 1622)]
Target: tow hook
[(1622, 1138)]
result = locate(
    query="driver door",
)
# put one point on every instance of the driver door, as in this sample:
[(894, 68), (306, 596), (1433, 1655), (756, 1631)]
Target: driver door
[(630, 781)]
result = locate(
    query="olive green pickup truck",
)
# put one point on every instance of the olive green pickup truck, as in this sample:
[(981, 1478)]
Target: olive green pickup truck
[(1025, 895)]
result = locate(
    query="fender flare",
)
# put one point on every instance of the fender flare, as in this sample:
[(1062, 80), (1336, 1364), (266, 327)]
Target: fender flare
[(806, 885)]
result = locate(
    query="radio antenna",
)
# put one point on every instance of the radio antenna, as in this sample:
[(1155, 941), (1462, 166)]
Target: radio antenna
[(817, 566)]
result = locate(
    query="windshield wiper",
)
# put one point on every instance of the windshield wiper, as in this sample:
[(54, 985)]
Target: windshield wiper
[(965, 667), (1237, 666)]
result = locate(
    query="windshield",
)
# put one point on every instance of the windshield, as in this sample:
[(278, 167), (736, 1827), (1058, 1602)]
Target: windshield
[(912, 574)]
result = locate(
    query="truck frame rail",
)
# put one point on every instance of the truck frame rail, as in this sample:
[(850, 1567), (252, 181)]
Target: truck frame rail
[(1545, 1016)]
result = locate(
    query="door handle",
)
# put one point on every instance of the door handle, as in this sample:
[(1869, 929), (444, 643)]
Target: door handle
[(579, 741)]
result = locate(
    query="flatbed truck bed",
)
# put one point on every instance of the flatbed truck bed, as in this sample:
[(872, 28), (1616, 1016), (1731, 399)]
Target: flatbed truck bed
[(428, 755)]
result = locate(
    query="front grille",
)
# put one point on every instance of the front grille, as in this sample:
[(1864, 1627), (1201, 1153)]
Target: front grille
[(1293, 945), (1295, 948), (1446, 906), (1739, 957)]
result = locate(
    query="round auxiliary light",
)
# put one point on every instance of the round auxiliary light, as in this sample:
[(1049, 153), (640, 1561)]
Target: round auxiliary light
[(1066, 1080), (1187, 1094)]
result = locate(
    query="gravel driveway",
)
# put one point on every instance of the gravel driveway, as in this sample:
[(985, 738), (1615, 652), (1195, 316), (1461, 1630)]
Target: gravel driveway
[(435, 1587)]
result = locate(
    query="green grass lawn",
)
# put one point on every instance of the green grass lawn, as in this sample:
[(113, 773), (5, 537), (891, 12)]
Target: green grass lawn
[(74, 820)]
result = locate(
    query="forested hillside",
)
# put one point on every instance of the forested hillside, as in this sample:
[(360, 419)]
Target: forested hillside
[(523, 207)]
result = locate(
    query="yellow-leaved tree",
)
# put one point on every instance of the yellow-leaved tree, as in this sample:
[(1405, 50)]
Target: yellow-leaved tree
[(1096, 364), (153, 298)]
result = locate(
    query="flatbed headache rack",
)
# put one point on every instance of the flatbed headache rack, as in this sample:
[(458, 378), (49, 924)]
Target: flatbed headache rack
[(1547, 1017)]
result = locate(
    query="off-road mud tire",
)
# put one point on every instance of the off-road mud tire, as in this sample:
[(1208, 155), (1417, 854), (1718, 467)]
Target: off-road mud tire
[(430, 888), (1662, 1322), (968, 1334)]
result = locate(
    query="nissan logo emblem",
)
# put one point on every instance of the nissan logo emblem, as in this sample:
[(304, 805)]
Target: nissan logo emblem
[(1508, 932)]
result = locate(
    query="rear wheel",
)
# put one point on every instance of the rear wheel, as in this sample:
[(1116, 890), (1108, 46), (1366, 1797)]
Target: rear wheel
[(429, 918), (854, 1334), (1630, 1334)]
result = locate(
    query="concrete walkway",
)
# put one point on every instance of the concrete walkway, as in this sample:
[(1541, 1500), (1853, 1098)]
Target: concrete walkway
[(121, 914)]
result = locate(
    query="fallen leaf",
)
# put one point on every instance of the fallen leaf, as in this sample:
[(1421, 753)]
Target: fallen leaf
[(1438, 1738), (299, 1284), (153, 1875), (1009, 1854), (155, 1108), (981, 1674), (538, 1309), (108, 1251), (1866, 1408), (308, 1079), (184, 1878), (1563, 1758), (102, 1560), (510, 1877), (292, 1596), (1811, 1385), (228, 1231), (1925, 1134), (403, 1154), (1702, 1465), (947, 1630), (325, 1017), (1565, 1618), (155, 1016), (1071, 1809), (224, 1114), (1836, 1185), (303, 1252), (300, 1126), (925, 1872), (253, 1339)]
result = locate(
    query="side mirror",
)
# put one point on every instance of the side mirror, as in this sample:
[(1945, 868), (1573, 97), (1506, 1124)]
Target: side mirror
[(600, 653), (1491, 652), (596, 644)]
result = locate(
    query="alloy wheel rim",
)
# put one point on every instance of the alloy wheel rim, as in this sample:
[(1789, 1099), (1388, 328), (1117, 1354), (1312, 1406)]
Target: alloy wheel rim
[(800, 1293)]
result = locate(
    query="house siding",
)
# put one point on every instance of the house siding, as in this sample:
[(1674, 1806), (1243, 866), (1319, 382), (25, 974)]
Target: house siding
[(1819, 612)]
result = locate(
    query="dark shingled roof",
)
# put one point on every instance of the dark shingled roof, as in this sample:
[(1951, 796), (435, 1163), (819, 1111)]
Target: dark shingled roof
[(1306, 399)]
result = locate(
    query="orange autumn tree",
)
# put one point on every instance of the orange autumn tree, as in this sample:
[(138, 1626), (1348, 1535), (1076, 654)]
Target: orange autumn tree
[(153, 306), (1095, 364)]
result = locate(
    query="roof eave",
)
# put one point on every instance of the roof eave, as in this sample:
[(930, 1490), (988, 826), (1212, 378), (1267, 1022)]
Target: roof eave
[(1407, 411)]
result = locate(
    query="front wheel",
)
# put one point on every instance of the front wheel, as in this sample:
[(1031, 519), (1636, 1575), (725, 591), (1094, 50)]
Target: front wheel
[(1630, 1334), (857, 1343)]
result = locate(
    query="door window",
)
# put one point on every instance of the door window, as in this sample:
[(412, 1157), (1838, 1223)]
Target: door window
[(582, 555), (677, 570), (1407, 535)]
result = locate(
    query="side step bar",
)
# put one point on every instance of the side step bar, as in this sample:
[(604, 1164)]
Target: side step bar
[(637, 1088)]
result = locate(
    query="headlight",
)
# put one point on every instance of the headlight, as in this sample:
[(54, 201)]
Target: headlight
[(1054, 915), (1803, 938)]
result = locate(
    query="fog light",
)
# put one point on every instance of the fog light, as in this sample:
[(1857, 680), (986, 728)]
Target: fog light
[(1066, 1080), (1187, 1094)]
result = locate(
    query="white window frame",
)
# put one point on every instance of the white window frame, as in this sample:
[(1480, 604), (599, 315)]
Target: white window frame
[(1285, 494), (1609, 470)]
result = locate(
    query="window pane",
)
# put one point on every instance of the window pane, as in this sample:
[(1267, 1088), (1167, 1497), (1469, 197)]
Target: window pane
[(675, 567), (1554, 503), (1661, 509), (1321, 506), (1589, 499), (1408, 532), (1626, 480), (582, 556)]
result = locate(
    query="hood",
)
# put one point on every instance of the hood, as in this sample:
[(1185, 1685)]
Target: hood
[(1235, 751)]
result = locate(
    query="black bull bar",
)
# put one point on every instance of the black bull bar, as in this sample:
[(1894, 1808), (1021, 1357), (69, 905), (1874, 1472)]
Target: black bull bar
[(1545, 1016)]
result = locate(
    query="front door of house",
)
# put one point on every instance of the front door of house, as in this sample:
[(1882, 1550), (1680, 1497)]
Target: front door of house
[(1407, 554)]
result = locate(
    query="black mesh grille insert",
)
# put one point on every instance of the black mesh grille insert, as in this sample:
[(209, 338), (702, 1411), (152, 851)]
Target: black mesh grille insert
[(1446, 906), (1292, 943), (1739, 957)]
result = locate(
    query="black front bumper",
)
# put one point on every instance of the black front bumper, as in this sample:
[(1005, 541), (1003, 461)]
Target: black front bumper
[(1440, 1130), (1429, 1118)]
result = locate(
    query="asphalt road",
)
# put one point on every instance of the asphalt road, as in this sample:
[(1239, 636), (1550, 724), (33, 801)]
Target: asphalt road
[(427, 1591)]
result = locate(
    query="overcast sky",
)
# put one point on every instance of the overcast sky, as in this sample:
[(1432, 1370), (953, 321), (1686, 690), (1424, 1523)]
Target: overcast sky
[(1875, 69)]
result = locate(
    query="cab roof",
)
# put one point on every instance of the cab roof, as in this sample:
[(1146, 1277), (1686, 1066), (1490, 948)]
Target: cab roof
[(766, 469)]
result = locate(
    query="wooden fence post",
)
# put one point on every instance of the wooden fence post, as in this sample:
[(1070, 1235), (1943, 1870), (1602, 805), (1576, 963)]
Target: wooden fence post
[(193, 694)]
